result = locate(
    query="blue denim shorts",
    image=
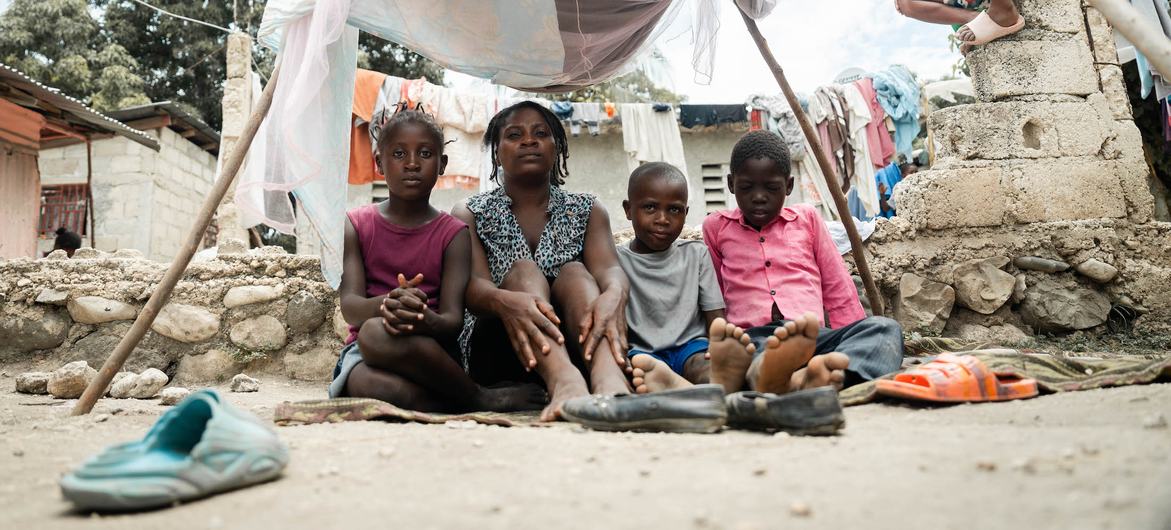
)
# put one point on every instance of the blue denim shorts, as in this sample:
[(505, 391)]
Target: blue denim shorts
[(676, 356)]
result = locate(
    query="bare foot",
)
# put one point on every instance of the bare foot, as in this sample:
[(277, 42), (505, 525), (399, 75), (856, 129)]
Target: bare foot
[(560, 393), (823, 370), (790, 348), (512, 398), (731, 352), (653, 375)]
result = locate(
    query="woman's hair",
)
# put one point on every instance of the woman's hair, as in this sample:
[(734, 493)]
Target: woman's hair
[(67, 239), (496, 126), (386, 121)]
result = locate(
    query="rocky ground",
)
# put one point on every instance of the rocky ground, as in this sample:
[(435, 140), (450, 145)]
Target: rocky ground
[(1094, 459)]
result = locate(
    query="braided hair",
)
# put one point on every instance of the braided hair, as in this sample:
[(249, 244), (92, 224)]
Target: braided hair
[(496, 127), (386, 120), (761, 144)]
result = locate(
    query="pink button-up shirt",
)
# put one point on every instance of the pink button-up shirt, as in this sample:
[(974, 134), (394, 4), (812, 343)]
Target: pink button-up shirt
[(791, 262)]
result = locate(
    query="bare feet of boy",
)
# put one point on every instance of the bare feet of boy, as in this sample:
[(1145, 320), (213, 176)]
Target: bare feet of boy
[(512, 398), (731, 352), (653, 375), (823, 370), (790, 348)]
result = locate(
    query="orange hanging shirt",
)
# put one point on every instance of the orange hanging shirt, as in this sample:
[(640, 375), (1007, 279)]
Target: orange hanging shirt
[(366, 86)]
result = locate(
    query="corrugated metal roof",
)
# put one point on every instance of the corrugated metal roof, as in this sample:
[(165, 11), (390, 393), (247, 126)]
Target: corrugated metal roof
[(188, 121), (73, 107)]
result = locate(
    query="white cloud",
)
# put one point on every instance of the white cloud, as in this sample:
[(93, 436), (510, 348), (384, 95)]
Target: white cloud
[(813, 41)]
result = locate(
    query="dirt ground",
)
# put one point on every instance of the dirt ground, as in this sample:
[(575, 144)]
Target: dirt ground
[(1094, 459)]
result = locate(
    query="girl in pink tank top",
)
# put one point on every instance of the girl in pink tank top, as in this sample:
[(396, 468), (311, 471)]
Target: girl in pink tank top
[(405, 268)]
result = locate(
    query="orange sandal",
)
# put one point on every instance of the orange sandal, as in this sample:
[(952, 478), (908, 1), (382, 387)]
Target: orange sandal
[(951, 378)]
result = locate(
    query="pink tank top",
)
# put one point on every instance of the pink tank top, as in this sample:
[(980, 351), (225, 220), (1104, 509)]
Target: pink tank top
[(389, 249)]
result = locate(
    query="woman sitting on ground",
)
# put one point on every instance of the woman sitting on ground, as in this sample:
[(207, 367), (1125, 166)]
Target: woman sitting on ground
[(547, 292)]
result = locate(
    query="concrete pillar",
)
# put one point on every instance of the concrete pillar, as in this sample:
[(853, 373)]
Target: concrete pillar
[(237, 105), (1052, 137)]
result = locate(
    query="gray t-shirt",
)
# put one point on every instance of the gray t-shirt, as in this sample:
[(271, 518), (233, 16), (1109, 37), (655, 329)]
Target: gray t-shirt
[(669, 290)]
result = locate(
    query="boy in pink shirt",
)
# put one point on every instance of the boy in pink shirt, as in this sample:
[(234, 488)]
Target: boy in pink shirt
[(780, 275)]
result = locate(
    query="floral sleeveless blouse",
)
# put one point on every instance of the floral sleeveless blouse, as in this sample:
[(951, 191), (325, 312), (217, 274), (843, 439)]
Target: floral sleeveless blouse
[(562, 241)]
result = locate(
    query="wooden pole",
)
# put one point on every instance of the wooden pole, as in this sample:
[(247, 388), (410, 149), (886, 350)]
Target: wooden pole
[(831, 181), (163, 291), (1143, 34)]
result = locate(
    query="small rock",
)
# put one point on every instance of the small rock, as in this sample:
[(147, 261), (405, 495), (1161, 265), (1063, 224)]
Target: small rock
[(1025, 465), (52, 297), (128, 253), (98, 310), (1019, 288), (243, 383), (1158, 421), (250, 294), (271, 250), (101, 418), (644, 472), (87, 253), (800, 509), (1033, 263), (230, 245), (981, 286), (214, 366), (386, 452), (69, 381), (782, 434), (759, 472), (478, 443), (23, 282), (148, 383), (186, 323), (923, 305), (305, 313), (33, 383), (1096, 270), (1048, 306), (122, 385), (173, 395), (273, 269), (57, 254), (986, 465), (262, 333), (18, 453)]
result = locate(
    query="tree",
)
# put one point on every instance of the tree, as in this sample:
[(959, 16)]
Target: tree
[(635, 87), (59, 43)]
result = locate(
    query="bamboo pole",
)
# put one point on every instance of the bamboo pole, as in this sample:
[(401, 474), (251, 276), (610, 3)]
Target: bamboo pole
[(162, 292), (876, 303), (1143, 34)]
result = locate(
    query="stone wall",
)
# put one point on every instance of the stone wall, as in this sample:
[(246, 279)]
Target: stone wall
[(1037, 215), (256, 311), (143, 200)]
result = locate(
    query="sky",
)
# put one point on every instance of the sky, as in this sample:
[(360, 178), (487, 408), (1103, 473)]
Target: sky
[(814, 40)]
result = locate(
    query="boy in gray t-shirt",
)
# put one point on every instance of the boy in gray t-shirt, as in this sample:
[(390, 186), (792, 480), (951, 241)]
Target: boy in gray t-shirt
[(674, 295)]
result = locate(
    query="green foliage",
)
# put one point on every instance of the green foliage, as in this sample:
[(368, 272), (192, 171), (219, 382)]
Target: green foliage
[(61, 44)]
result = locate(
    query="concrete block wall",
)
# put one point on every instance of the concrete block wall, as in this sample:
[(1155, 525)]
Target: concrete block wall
[(143, 199)]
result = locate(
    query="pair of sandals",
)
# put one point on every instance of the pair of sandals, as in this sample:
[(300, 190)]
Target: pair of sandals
[(705, 409), (200, 447)]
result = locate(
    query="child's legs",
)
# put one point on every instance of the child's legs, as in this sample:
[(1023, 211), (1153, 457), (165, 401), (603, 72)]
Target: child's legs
[(368, 382), (874, 346), (419, 359), (574, 291), (935, 11)]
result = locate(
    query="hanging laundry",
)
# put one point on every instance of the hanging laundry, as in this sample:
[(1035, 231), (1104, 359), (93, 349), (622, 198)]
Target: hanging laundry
[(563, 109), (610, 110), (859, 135), (825, 110), (756, 120), (589, 114), (887, 178), (782, 121), (463, 116), (649, 136), (898, 93), (707, 115), (367, 85), (882, 147), (1156, 13)]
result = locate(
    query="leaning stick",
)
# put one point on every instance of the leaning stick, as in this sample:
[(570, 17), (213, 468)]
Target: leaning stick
[(163, 291), (835, 190), (1141, 33)]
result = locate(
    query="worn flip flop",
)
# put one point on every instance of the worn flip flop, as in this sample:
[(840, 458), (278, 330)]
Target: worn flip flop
[(118, 453), (815, 411), (951, 378), (202, 447), (987, 30), (696, 409)]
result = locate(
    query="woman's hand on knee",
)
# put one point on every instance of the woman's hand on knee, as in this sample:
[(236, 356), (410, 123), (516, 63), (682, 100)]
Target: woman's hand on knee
[(605, 320), (531, 323)]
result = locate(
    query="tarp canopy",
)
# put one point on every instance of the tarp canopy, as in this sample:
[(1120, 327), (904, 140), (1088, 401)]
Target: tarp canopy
[(533, 45)]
